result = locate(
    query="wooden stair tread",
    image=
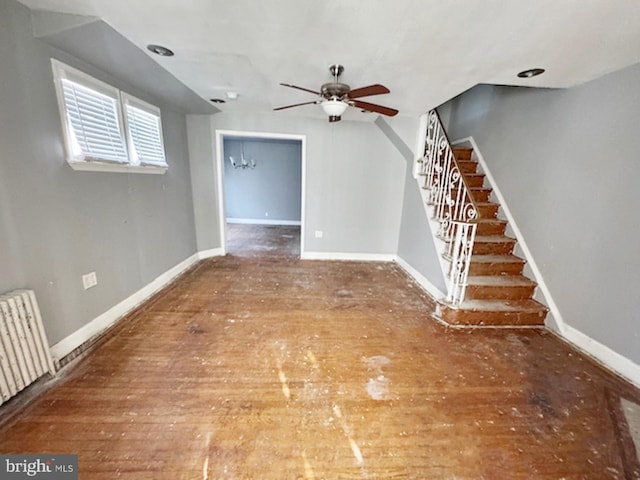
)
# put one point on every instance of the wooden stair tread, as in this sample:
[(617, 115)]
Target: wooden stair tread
[(475, 189), (492, 264), (495, 313), (494, 239), (486, 239), (496, 259), (524, 306), (491, 258), (491, 220), (493, 245), (500, 280)]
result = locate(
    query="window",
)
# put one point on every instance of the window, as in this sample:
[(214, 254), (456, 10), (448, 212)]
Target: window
[(106, 129)]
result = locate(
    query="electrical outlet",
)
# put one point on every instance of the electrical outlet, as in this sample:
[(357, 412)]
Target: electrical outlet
[(319, 233), (89, 280), (266, 214)]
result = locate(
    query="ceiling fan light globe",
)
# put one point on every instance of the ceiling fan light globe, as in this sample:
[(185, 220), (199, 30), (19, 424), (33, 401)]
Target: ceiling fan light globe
[(334, 108)]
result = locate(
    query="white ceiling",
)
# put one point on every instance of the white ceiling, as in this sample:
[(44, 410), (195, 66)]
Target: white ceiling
[(425, 51)]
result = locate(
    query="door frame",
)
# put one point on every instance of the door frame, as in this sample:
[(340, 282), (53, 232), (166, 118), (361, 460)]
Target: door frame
[(219, 149)]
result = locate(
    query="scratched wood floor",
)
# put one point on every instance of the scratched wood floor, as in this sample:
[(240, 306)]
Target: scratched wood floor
[(269, 367)]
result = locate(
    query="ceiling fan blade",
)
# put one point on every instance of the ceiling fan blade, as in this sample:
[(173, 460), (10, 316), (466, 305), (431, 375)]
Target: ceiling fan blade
[(295, 105), (299, 88), (372, 107), (376, 89)]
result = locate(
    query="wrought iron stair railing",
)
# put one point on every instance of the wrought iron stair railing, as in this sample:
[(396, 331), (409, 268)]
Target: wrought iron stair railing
[(450, 204)]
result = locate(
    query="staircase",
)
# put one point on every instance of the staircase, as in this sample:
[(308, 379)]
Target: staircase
[(497, 292), (494, 291)]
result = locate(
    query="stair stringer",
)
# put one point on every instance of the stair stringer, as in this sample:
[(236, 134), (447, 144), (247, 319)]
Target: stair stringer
[(543, 294), (434, 227)]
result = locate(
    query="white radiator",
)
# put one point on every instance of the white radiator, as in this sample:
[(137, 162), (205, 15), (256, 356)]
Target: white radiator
[(24, 349)]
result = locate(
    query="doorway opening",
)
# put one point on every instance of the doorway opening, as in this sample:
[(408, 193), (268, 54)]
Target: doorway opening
[(261, 184)]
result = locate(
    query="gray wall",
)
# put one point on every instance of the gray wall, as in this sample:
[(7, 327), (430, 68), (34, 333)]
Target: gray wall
[(354, 182), (567, 162), (205, 187), (416, 245), (57, 224), (272, 190)]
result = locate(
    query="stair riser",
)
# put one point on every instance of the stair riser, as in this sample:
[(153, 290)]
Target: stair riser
[(487, 229), (474, 180), (465, 317), (462, 153), (480, 248), (486, 292), (467, 167), (488, 211), (481, 195), (484, 269)]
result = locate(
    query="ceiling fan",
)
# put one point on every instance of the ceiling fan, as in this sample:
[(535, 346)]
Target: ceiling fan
[(335, 97)]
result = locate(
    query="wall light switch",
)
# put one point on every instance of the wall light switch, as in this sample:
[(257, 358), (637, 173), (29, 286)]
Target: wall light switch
[(319, 233)]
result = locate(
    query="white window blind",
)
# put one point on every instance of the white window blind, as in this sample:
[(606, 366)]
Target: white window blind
[(106, 129), (145, 132), (94, 123)]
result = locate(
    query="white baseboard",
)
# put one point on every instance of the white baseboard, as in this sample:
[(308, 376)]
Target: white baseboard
[(358, 257), (419, 278), (612, 360), (107, 319), (254, 221), (213, 252)]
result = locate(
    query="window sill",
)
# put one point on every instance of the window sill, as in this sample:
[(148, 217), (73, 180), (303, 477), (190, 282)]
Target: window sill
[(117, 168)]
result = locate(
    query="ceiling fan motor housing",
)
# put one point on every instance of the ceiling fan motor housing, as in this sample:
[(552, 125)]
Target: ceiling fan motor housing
[(334, 90)]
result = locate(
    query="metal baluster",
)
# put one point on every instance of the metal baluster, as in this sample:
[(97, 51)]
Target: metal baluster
[(452, 204)]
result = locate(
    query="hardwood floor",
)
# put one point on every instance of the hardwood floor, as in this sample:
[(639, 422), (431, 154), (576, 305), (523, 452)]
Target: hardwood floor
[(271, 367)]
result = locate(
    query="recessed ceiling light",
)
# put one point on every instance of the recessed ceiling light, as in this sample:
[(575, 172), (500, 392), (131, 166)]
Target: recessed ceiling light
[(217, 100), (232, 95), (532, 72), (160, 50)]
